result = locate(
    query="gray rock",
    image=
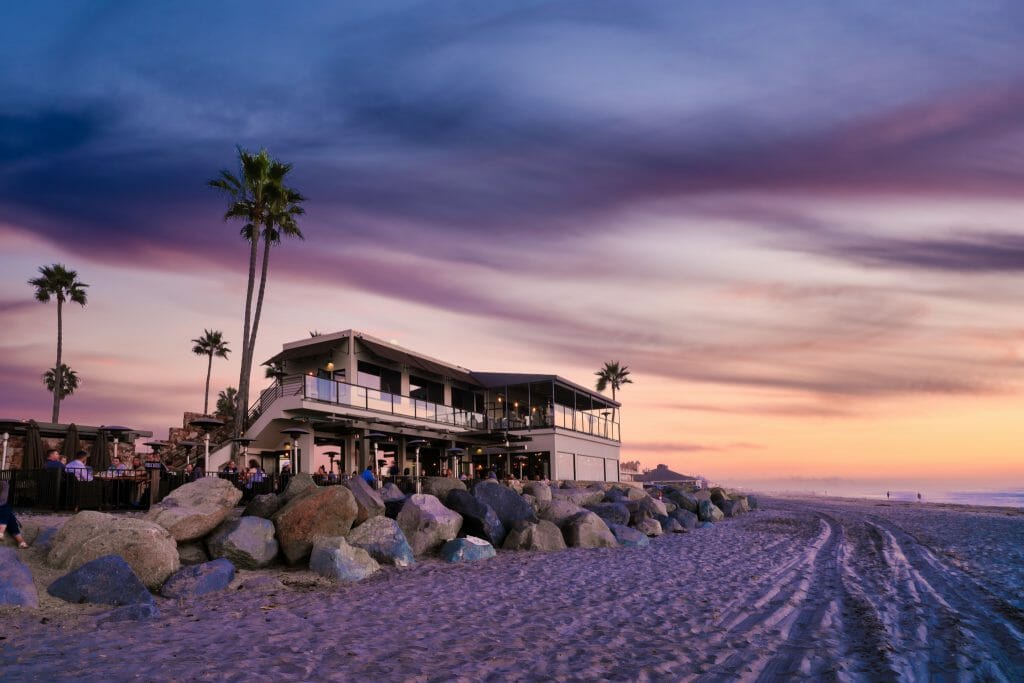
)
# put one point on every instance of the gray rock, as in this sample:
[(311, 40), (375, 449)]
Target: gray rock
[(615, 495), (558, 511), (390, 492), (718, 496), (650, 527), (628, 537), (200, 579), (107, 580), (43, 542), (16, 586), (611, 513), (539, 490), (671, 526), (543, 535), (334, 558), (427, 524), (384, 540), (248, 542), (683, 499), (587, 530), (368, 501), (468, 549), (478, 518), (192, 553), (263, 506), (319, 511), (440, 486), (146, 546), (139, 612), (638, 511), (506, 503), (297, 483), (709, 512), (579, 497), (195, 509), (687, 519), (634, 493), (752, 502)]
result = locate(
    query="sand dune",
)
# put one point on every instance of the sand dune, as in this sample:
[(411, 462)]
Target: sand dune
[(818, 589)]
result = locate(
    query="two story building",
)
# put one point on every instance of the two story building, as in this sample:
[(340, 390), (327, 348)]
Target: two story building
[(349, 400)]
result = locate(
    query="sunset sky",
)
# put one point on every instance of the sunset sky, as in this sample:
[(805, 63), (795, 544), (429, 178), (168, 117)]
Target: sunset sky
[(801, 226)]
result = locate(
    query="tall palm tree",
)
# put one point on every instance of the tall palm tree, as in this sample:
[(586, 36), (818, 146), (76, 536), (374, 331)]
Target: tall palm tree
[(226, 402), (260, 199), (57, 282), (69, 380), (210, 344), (612, 375)]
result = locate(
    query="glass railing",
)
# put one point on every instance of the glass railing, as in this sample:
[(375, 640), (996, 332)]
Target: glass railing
[(341, 393)]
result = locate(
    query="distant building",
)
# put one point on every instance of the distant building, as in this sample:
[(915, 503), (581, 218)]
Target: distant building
[(662, 473), (362, 400), (629, 471)]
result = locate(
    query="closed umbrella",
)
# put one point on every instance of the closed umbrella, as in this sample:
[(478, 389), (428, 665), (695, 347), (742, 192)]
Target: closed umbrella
[(33, 454), (100, 459), (71, 443)]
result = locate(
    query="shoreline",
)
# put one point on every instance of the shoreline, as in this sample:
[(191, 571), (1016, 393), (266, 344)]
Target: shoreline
[(936, 505)]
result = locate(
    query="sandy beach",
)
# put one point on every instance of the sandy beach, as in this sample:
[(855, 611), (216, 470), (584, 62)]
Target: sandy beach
[(814, 589)]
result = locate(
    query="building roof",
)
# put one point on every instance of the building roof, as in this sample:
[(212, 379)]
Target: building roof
[(662, 473), (49, 429)]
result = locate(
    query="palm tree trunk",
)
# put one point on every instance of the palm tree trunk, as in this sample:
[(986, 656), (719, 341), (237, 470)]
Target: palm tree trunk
[(251, 351), (206, 396), (243, 377), (613, 391), (58, 378)]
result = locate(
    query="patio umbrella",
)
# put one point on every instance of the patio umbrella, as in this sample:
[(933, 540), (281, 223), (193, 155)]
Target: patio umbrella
[(100, 459), (32, 459), (71, 443)]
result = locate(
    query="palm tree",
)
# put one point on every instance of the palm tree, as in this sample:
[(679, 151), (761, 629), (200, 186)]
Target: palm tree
[(258, 197), (68, 379), (612, 375), (210, 344), (226, 403), (57, 282)]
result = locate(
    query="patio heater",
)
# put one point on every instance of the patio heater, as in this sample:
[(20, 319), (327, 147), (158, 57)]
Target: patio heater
[(377, 439), (330, 458), (455, 456), (6, 438), (521, 459), (417, 444), (189, 445), (115, 431), (294, 433), (207, 424)]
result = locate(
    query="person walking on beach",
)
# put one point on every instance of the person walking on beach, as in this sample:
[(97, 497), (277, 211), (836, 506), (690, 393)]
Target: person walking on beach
[(918, 496), (7, 518), (887, 495)]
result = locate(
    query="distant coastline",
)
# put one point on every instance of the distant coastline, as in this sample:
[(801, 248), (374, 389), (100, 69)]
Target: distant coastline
[(979, 498)]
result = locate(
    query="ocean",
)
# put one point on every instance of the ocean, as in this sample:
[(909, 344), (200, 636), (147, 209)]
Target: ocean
[(1012, 499)]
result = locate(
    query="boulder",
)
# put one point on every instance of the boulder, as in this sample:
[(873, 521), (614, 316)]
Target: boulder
[(743, 502), (686, 501), (558, 511), (319, 511), (539, 490), (718, 496), (440, 486), (148, 548), (368, 501), (638, 511), (543, 535), (579, 497), (393, 507), (263, 506), (587, 530), (611, 513), (427, 524), (200, 579), (43, 541), (390, 492), (297, 483), (468, 549), (16, 587), (687, 519), (139, 612), (106, 580), (655, 506), (248, 542), (650, 527), (384, 540), (709, 512), (752, 502), (627, 537), (478, 519), (195, 509), (732, 507), (669, 525), (192, 553), (506, 503), (669, 506), (615, 495), (334, 558), (633, 493)]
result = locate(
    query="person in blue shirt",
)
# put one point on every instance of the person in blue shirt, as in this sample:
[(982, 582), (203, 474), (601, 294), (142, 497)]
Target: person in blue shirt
[(52, 461), (368, 476)]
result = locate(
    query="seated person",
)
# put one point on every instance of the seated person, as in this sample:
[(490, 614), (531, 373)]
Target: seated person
[(255, 475), (8, 522), (368, 477), (116, 465), (78, 467), (53, 461)]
